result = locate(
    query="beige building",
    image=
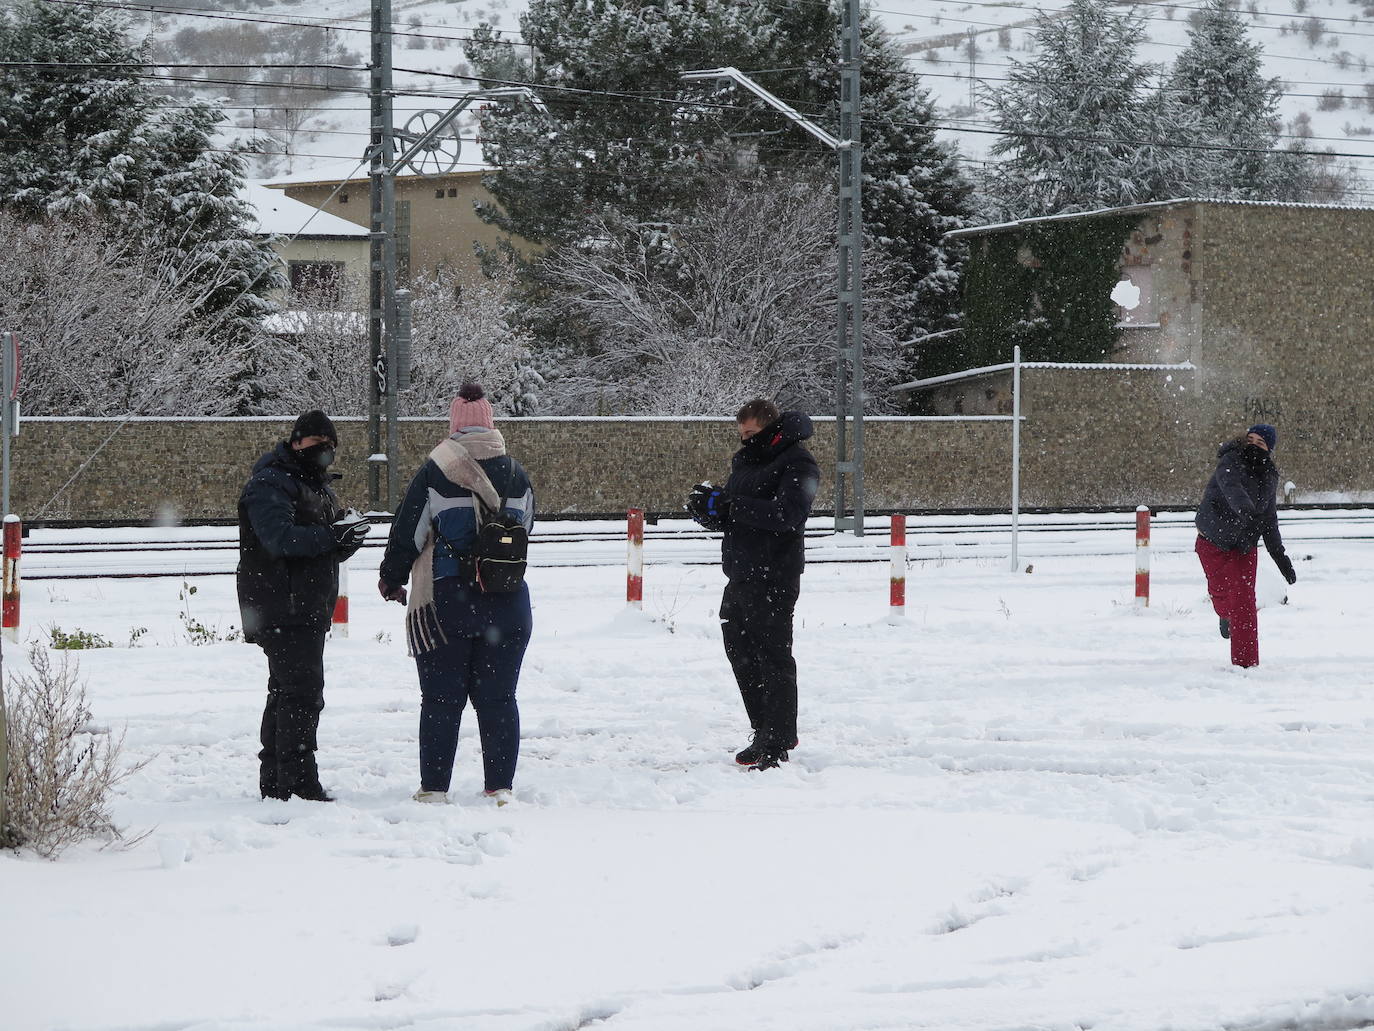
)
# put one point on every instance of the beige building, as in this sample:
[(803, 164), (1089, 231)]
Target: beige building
[(436, 224), (321, 253)]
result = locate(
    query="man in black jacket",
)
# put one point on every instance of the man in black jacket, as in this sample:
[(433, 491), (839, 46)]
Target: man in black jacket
[(763, 510), (292, 538)]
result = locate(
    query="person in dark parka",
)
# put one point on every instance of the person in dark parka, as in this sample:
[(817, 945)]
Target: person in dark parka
[(1239, 506), (292, 537), (762, 510), (468, 643)]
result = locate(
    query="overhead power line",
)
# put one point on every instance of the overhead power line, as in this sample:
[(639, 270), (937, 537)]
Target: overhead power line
[(362, 69), (598, 95), (678, 101)]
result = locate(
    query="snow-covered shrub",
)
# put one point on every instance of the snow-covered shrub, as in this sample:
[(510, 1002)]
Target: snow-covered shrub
[(1331, 100), (61, 767), (695, 318), (104, 328), (459, 331)]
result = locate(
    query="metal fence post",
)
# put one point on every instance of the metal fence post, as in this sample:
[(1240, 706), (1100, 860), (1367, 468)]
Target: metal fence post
[(1015, 454)]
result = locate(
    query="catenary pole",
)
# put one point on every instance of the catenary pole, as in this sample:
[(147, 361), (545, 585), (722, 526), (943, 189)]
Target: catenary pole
[(381, 261), (849, 322), (849, 370)]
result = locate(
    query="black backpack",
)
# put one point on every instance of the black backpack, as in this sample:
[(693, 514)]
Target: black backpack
[(499, 550)]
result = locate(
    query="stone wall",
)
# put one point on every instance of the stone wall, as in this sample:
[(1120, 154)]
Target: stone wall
[(1089, 439), (193, 469), (1286, 335)]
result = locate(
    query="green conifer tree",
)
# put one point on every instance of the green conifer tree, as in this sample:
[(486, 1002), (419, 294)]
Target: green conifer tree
[(1220, 77), (88, 136), (623, 145)]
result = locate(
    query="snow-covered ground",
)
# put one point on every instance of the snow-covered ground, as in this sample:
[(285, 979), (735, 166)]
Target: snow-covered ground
[(1026, 805)]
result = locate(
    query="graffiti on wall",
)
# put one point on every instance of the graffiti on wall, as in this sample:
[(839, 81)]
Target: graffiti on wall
[(1292, 422)]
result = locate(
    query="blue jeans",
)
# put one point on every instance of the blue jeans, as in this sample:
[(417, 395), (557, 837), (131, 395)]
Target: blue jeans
[(487, 635)]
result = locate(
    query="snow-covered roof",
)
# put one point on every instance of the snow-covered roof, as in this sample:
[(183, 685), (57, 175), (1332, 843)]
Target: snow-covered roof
[(1130, 209), (292, 322), (279, 215), (988, 370), (335, 172)]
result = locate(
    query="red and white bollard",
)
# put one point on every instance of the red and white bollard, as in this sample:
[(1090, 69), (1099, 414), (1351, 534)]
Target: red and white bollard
[(1142, 556), (634, 577), (13, 535), (339, 622), (897, 594)]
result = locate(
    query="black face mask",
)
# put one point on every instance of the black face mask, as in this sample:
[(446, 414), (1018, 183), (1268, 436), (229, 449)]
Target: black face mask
[(1254, 454), (316, 456)]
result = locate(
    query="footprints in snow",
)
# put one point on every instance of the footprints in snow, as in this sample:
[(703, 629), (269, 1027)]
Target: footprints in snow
[(786, 964)]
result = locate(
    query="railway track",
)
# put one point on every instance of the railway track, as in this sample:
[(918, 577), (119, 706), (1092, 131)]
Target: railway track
[(71, 555)]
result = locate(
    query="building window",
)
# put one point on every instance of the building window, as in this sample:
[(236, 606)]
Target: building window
[(1135, 297), (453, 191), (438, 194), (316, 280), (343, 198)]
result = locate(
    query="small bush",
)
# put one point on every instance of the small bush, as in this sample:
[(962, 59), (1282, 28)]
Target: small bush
[(1331, 100), (61, 768), (194, 630), (77, 640)]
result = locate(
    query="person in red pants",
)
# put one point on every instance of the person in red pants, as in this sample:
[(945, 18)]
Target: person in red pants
[(1239, 506)]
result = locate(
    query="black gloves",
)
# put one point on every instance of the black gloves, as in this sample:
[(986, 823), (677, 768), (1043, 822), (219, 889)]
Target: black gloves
[(709, 506), (390, 592), (1285, 565), (350, 530)]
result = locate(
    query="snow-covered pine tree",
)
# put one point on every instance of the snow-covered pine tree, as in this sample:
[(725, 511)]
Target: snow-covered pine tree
[(192, 204), (1219, 75), (915, 191), (640, 155), (637, 152), (88, 137), (1084, 125)]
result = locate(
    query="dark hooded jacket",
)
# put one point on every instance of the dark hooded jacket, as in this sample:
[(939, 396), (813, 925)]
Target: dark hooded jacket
[(288, 571), (1240, 503), (773, 480)]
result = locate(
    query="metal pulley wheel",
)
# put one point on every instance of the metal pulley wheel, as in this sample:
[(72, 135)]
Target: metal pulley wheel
[(438, 155)]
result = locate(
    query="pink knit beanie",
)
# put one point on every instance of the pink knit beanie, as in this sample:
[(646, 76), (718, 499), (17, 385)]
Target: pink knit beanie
[(470, 408)]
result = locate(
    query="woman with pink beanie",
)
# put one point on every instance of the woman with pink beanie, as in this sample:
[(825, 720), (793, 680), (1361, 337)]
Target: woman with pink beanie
[(468, 643)]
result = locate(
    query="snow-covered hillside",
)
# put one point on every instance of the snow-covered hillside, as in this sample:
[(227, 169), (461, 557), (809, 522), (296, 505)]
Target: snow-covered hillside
[(1322, 50)]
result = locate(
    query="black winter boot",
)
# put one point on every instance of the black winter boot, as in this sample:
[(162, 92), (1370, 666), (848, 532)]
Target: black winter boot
[(311, 791), (1225, 626), (762, 747)]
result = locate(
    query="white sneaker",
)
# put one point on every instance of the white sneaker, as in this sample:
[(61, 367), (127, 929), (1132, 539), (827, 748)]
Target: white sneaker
[(431, 797), (501, 796)]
